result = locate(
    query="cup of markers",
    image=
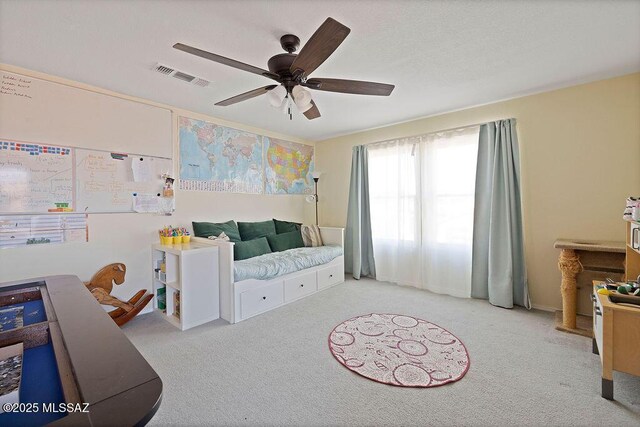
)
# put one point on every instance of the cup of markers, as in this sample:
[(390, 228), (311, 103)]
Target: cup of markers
[(174, 236)]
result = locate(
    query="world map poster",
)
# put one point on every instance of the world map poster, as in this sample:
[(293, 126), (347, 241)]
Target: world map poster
[(217, 158), (288, 167)]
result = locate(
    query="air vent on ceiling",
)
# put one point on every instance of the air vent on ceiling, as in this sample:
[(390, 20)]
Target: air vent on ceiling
[(182, 76), (163, 70), (201, 82), (168, 71)]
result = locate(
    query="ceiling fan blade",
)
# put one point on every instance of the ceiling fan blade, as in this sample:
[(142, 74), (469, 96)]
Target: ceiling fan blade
[(319, 47), (226, 61), (313, 112), (350, 86), (246, 95)]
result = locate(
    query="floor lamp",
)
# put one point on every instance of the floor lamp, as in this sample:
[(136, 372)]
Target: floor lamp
[(314, 198)]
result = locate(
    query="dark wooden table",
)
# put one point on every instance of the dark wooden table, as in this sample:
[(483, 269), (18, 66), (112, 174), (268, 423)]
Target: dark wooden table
[(97, 364)]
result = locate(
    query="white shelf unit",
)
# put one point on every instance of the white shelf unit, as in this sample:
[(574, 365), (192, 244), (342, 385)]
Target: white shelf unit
[(191, 283)]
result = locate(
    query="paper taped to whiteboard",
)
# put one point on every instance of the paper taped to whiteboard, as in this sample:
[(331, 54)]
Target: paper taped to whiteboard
[(143, 171), (146, 203)]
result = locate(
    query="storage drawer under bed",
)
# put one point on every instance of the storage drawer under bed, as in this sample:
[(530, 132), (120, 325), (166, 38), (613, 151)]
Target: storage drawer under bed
[(299, 286), (330, 275), (255, 301)]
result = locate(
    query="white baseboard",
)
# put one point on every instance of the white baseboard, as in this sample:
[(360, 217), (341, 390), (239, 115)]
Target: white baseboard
[(554, 309), (544, 307)]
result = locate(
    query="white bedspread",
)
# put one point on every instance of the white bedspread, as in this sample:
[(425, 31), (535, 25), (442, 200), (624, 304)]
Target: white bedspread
[(275, 264)]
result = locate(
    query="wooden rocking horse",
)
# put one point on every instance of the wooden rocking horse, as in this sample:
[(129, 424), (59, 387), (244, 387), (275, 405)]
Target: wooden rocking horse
[(101, 285)]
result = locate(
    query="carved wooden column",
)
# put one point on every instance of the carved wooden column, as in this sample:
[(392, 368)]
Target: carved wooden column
[(581, 262), (569, 265)]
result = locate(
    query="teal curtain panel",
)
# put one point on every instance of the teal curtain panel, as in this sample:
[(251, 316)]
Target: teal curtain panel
[(358, 252), (498, 265)]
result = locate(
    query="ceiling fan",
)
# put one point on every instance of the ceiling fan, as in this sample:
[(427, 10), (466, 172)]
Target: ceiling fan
[(292, 71)]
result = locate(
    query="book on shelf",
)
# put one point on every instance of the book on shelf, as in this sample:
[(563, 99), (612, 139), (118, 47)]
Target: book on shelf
[(161, 296), (176, 304)]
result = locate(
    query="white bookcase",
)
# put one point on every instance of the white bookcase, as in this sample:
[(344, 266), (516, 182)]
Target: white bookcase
[(190, 280)]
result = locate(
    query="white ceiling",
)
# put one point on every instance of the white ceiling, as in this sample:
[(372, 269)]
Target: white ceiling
[(441, 55)]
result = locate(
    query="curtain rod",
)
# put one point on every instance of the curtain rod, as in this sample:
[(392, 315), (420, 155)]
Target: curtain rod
[(431, 133)]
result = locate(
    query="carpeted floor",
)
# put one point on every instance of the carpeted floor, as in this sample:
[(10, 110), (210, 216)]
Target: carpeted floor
[(276, 369)]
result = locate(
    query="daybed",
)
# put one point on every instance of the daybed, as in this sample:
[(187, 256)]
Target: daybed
[(258, 284)]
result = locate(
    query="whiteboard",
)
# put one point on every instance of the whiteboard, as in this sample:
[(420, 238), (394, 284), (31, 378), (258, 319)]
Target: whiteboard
[(33, 109), (34, 177), (106, 182)]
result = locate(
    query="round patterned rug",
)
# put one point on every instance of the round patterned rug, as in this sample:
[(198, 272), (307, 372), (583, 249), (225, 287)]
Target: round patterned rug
[(399, 350)]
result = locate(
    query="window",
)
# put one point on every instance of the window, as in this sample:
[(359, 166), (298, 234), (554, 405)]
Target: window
[(422, 198), (393, 187), (449, 176)]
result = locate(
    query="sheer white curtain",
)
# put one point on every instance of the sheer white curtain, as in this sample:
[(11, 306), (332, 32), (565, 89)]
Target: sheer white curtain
[(422, 198), (394, 188)]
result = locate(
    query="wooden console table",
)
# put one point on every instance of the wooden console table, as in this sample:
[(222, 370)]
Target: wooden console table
[(581, 262)]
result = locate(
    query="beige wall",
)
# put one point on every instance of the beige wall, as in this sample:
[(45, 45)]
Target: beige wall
[(580, 149), (580, 158), (127, 237)]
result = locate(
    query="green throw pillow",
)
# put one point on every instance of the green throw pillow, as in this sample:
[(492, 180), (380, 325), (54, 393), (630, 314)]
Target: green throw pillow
[(253, 230), (250, 248), (284, 241), (286, 226), (206, 229)]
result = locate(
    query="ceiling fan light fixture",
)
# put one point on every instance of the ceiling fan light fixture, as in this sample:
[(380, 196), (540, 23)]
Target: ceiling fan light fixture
[(302, 98), (301, 95), (276, 96)]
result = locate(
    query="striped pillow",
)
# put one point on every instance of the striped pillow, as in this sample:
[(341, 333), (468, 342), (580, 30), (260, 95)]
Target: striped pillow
[(311, 235)]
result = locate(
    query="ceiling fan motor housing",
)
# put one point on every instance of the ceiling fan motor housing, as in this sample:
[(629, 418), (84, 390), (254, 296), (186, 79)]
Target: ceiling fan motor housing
[(281, 64), (290, 43)]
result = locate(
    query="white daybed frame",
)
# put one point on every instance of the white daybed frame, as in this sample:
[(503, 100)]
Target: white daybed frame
[(247, 298)]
